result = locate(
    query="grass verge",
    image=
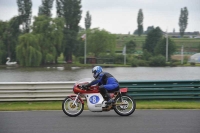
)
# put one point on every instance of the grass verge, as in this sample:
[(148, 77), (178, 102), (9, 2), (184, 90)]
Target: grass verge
[(158, 104), (57, 105)]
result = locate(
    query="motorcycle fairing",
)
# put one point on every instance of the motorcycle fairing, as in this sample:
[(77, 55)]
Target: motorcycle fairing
[(94, 101)]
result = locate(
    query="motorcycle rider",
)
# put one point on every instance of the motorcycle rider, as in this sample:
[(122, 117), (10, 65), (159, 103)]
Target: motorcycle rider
[(107, 83)]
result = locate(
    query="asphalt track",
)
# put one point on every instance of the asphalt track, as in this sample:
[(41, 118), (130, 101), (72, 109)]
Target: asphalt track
[(141, 121)]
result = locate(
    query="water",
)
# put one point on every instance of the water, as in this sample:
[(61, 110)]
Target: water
[(60, 74)]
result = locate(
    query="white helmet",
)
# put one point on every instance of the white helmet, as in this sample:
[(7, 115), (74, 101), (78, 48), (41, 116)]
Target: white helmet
[(96, 71)]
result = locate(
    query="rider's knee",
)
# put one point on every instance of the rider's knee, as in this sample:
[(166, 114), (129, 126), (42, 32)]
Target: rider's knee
[(101, 87)]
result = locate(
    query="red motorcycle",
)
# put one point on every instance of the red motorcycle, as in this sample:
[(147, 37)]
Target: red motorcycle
[(73, 105)]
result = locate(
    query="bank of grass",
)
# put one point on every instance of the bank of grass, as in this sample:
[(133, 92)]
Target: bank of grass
[(57, 105)]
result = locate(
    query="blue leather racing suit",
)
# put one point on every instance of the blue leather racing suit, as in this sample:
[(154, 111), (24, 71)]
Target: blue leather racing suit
[(107, 81)]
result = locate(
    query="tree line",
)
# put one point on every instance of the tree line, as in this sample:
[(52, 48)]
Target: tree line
[(183, 22), (43, 40)]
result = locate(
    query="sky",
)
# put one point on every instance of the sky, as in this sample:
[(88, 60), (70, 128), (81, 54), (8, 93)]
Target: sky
[(120, 16)]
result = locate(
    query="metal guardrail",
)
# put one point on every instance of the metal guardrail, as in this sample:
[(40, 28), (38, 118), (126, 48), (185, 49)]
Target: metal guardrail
[(35, 91), (52, 91), (163, 89)]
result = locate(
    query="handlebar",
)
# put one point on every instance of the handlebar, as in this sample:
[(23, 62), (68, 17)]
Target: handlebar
[(82, 87)]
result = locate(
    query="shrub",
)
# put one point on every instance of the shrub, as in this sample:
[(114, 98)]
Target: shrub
[(192, 63), (185, 60), (134, 63), (119, 59), (81, 60), (157, 61), (174, 62), (146, 55), (143, 63)]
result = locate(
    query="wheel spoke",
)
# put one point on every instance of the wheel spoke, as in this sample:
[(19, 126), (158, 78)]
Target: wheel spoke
[(72, 107), (125, 105)]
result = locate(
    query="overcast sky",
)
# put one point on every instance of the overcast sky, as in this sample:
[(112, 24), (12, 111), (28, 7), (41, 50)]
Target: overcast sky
[(120, 16)]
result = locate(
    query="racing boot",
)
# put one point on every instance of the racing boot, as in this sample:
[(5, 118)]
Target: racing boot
[(110, 100)]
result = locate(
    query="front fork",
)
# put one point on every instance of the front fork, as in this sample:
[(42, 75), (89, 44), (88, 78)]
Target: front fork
[(76, 98)]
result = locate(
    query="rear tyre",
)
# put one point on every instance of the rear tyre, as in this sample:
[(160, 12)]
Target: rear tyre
[(125, 105), (72, 109)]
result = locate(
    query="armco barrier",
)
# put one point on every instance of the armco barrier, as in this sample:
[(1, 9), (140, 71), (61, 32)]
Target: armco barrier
[(163, 89), (51, 91), (35, 91)]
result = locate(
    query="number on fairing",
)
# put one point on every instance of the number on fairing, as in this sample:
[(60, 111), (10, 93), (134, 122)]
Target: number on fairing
[(94, 99)]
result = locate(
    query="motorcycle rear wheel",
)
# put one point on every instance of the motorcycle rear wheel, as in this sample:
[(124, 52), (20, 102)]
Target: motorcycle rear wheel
[(71, 109), (127, 107)]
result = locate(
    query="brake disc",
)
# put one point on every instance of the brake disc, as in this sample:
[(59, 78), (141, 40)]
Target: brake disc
[(71, 106)]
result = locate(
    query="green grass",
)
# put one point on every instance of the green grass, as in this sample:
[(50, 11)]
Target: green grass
[(188, 64), (156, 104), (187, 42), (18, 106), (140, 104)]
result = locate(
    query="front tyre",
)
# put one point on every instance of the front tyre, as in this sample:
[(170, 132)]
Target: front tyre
[(125, 105), (72, 108)]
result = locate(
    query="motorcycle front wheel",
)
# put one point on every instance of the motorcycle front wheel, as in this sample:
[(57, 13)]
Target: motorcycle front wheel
[(71, 107), (125, 105)]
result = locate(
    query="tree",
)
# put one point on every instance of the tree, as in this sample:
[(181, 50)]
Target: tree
[(135, 32), (50, 32), (130, 47), (14, 33), (100, 41), (45, 8), (28, 50), (57, 35), (88, 19), (59, 10), (160, 48), (3, 40), (183, 21), (198, 48), (25, 14), (158, 60), (149, 28), (71, 11), (152, 39), (79, 47), (2, 52), (146, 55), (140, 22), (9, 32)]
